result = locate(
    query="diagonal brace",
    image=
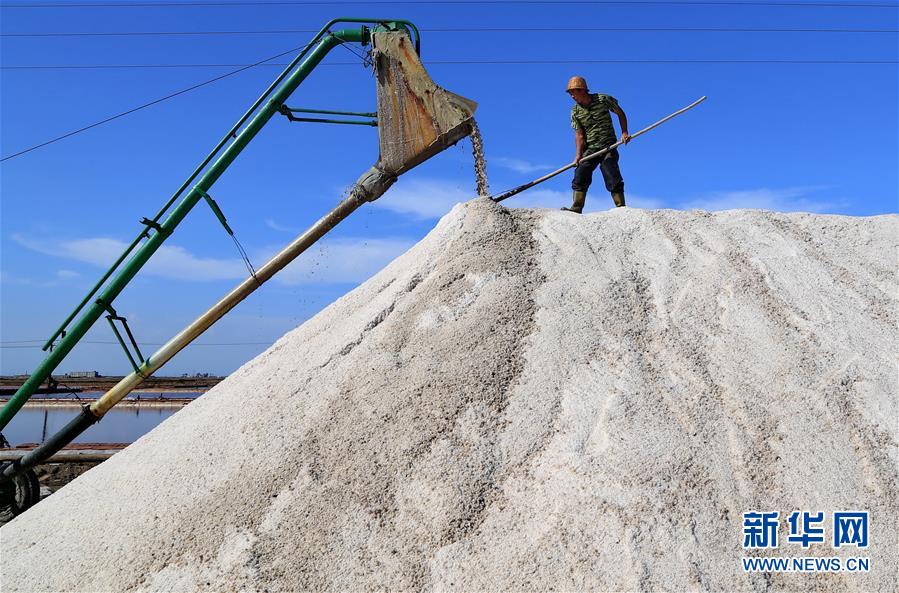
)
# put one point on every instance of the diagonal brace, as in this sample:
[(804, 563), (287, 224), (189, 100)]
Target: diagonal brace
[(289, 112), (215, 209), (112, 317)]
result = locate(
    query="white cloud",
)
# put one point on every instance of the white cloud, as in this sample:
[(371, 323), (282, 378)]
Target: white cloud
[(341, 260), (98, 251), (790, 199), (539, 198), (597, 201), (344, 260), (169, 261), (645, 202), (6, 278), (424, 198), (177, 262), (67, 274), (432, 198), (520, 165), (275, 226)]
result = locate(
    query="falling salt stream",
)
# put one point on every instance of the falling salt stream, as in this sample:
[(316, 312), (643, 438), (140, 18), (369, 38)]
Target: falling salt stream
[(480, 165)]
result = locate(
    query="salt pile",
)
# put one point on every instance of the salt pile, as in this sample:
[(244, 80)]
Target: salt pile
[(526, 400)]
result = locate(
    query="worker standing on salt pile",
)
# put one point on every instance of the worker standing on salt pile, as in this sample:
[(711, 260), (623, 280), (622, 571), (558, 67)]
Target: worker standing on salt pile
[(593, 131)]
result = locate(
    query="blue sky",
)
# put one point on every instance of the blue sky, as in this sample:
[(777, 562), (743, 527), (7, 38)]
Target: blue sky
[(781, 136)]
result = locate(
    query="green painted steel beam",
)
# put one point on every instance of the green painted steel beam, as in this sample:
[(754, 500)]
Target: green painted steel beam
[(327, 112), (232, 133), (318, 120), (267, 106)]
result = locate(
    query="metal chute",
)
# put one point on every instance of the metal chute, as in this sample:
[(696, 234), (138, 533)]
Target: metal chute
[(416, 118)]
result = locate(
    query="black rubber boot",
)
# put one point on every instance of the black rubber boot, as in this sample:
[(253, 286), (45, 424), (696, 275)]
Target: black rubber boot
[(618, 198)]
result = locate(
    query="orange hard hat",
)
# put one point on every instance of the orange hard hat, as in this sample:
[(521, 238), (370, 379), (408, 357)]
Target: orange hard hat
[(576, 82)]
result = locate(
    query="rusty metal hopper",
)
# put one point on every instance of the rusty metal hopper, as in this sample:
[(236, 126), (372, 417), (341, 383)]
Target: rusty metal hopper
[(416, 118)]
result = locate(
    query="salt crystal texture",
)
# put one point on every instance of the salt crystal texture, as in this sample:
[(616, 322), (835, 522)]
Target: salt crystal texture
[(526, 400)]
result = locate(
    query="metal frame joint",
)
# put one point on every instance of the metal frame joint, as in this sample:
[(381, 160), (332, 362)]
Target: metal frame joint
[(112, 317)]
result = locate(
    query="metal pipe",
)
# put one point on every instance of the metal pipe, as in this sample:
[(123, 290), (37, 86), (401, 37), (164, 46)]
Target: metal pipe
[(328, 112), (52, 445), (66, 456), (371, 122), (369, 187), (118, 283), (165, 353)]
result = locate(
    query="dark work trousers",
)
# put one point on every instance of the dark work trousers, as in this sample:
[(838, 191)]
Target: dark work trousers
[(608, 164)]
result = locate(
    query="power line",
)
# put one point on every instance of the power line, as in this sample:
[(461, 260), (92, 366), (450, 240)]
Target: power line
[(151, 103), (639, 61), (453, 2), (460, 30), (20, 344), (449, 62), (265, 62)]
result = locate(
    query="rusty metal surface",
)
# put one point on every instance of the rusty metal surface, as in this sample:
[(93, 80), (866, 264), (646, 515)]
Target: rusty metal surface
[(416, 118)]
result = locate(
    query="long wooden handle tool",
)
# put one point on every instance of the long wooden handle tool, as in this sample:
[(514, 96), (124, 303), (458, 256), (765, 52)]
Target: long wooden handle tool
[(509, 193)]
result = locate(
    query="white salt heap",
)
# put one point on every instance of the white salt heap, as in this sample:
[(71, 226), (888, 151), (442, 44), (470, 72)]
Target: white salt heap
[(526, 400)]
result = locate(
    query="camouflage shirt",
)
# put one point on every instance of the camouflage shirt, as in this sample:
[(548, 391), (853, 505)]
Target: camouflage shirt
[(595, 121)]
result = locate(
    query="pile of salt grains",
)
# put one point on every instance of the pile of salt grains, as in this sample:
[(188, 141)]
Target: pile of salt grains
[(513, 405)]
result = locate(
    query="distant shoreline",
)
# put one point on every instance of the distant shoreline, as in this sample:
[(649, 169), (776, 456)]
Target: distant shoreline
[(125, 403), (151, 384)]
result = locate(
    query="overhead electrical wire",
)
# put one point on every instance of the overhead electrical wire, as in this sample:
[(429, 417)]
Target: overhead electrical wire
[(452, 62), (450, 2), (267, 61), (20, 344), (457, 30), (154, 102)]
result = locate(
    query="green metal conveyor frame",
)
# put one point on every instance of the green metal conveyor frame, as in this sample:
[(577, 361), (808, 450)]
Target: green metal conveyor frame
[(101, 297)]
